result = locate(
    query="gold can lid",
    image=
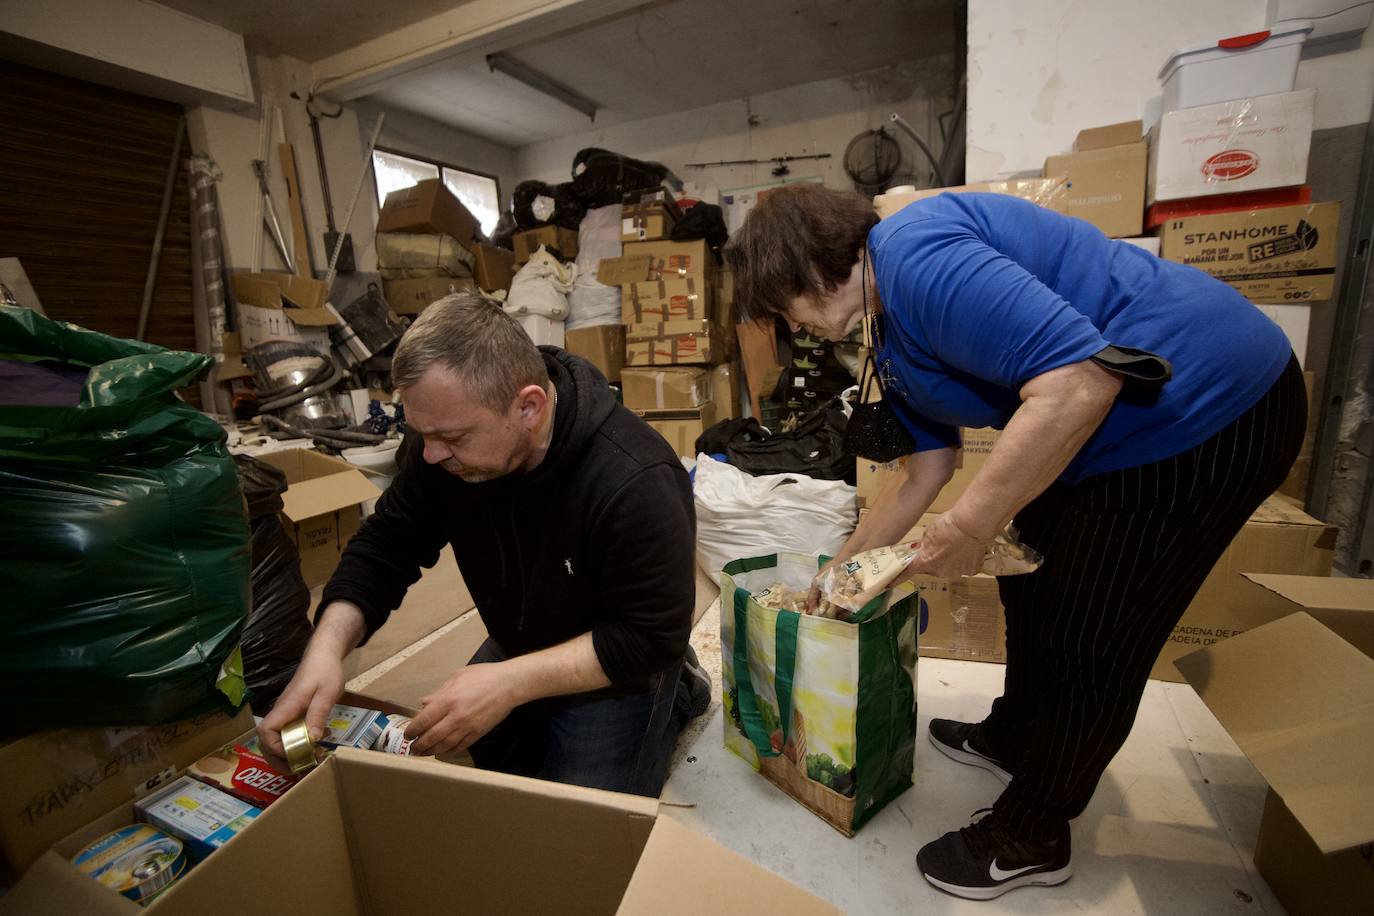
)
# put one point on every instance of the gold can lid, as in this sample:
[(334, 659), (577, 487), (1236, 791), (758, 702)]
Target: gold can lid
[(300, 750)]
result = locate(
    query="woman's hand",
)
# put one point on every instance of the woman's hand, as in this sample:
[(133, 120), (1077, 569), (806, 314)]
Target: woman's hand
[(813, 597), (948, 551)]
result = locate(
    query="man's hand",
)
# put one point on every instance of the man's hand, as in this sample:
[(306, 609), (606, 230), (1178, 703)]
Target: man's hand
[(947, 550), (472, 702), (315, 688)]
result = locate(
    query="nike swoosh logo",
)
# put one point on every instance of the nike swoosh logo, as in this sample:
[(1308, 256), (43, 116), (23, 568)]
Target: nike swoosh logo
[(998, 874), (972, 751)]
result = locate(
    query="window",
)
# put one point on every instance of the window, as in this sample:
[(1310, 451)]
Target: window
[(478, 192)]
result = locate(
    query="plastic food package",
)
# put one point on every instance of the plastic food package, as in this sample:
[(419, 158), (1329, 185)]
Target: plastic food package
[(126, 544), (848, 586)]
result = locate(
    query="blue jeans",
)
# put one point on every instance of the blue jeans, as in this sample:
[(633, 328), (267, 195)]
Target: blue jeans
[(607, 739)]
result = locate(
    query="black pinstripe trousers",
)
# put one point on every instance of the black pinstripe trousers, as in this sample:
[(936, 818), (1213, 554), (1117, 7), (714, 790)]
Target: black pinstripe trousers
[(1125, 552)]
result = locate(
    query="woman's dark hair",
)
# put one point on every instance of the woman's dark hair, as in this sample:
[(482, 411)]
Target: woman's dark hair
[(800, 240)]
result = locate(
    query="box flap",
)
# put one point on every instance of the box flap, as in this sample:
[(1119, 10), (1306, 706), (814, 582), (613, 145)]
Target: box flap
[(1108, 136), (1345, 606), (624, 270), (310, 498), (1299, 701), (52, 885), (682, 873), (310, 318)]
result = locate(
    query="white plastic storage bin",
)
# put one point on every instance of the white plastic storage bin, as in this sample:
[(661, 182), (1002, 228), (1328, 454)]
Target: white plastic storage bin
[(1261, 63), (543, 331)]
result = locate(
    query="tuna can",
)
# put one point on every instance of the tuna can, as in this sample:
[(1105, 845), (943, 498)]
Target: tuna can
[(300, 749), (138, 861), (393, 739)]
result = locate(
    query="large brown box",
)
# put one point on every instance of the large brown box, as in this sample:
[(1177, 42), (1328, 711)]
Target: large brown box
[(871, 476), (1276, 255), (674, 343), (675, 259), (665, 388), (654, 301), (429, 207), (322, 507), (367, 832), (562, 242), (602, 345), (1106, 187), (1295, 694), (681, 428), (494, 268), (411, 297), (56, 781)]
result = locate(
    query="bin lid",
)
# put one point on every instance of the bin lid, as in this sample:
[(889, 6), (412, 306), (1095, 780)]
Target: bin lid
[(1278, 34)]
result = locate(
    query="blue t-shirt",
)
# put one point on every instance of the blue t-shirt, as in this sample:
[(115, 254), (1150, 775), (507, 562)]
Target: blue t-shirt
[(983, 292)]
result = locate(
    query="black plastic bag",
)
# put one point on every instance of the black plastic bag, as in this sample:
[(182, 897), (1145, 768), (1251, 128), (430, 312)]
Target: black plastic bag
[(568, 209), (815, 448), (278, 627), (125, 540), (703, 221), (601, 178)]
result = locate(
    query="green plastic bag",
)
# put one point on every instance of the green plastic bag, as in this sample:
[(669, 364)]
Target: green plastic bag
[(823, 709), (124, 535)]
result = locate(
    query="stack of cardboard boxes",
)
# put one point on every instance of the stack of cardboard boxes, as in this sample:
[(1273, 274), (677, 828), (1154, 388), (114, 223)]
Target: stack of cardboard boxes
[(429, 245), (678, 327)]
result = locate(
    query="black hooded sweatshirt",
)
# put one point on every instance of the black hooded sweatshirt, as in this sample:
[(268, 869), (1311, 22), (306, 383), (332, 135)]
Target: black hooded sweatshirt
[(599, 537)]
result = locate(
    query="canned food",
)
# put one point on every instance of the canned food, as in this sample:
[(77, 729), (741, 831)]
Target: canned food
[(138, 861), (393, 739), (300, 750)]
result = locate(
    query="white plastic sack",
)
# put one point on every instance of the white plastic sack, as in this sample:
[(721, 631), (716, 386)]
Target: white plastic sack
[(541, 287), (591, 303), (739, 515)]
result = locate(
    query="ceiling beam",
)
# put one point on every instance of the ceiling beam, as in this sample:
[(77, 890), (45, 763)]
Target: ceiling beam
[(463, 35)]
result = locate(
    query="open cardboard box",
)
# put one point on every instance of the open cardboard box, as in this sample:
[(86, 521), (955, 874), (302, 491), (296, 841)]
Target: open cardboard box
[(55, 781), (1297, 695), (322, 506), (373, 833)]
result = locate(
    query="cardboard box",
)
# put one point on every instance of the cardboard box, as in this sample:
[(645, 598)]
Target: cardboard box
[(285, 307), (322, 507), (1278, 538), (56, 781), (562, 243), (493, 267), (871, 476), (1105, 186), (1240, 145), (725, 391), (429, 207), (602, 345), (1160, 213), (724, 306), (411, 297), (624, 270), (671, 388), (1280, 255), (1108, 136), (1047, 192), (674, 343), (964, 619), (758, 349), (1295, 695), (681, 428), (648, 220), (676, 259), (653, 301), (526, 846)]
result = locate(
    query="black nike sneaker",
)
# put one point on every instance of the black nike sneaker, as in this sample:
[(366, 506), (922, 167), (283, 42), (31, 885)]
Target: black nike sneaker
[(959, 741), (984, 860)]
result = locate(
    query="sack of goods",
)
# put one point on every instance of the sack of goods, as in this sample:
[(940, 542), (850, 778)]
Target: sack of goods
[(415, 255), (591, 302), (125, 537), (792, 684)]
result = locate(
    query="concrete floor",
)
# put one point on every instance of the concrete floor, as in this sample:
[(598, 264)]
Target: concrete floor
[(1171, 829)]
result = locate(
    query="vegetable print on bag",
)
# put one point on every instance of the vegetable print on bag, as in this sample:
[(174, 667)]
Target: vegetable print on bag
[(824, 709)]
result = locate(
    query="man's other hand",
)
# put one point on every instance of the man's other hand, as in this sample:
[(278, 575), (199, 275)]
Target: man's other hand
[(472, 702)]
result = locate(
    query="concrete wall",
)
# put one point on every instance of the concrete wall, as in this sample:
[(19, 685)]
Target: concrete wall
[(820, 117), (1041, 70)]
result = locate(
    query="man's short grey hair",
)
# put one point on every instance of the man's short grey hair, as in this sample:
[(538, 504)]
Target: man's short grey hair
[(473, 338)]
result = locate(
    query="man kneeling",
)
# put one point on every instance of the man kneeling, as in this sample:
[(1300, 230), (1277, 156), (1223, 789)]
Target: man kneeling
[(572, 524)]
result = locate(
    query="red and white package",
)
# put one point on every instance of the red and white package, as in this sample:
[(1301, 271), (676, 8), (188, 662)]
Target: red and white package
[(242, 771)]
